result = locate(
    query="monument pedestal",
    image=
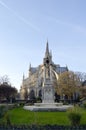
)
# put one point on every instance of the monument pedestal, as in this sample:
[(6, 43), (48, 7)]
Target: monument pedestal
[(48, 92)]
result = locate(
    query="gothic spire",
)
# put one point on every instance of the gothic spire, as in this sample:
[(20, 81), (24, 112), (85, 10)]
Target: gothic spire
[(47, 50), (29, 66), (23, 76)]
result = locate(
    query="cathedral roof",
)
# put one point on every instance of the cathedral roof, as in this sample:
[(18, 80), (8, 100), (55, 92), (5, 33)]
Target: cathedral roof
[(61, 69), (33, 69)]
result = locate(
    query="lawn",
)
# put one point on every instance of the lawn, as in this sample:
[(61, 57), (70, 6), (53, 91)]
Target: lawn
[(21, 116)]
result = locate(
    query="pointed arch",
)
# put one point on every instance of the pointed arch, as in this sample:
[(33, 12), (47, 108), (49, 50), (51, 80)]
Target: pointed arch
[(40, 93)]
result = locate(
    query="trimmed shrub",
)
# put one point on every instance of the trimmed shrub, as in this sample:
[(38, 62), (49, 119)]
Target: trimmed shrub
[(74, 116)]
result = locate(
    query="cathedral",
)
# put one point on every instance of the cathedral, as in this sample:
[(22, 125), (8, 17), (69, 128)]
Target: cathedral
[(32, 86)]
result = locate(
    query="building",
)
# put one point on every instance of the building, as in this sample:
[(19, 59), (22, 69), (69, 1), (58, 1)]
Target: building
[(32, 85)]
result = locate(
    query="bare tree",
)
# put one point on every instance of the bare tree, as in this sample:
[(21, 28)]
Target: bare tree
[(4, 79), (81, 75)]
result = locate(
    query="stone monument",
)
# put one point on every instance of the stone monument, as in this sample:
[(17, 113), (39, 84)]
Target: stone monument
[(48, 89), (48, 92)]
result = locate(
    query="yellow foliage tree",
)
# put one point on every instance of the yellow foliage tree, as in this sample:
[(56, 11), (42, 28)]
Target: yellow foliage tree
[(68, 83)]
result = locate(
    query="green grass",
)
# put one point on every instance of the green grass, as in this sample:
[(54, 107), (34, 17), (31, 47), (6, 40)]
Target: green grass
[(21, 116)]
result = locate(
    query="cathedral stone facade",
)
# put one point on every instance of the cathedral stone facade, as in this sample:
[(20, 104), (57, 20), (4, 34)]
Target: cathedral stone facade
[(32, 86)]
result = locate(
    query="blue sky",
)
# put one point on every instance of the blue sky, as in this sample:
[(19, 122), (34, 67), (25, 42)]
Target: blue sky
[(25, 26)]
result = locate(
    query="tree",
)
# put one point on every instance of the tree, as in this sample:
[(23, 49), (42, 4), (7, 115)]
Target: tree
[(7, 91), (68, 84), (4, 79), (82, 77), (83, 92)]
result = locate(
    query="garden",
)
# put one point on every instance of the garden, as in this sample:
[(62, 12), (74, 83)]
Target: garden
[(17, 117)]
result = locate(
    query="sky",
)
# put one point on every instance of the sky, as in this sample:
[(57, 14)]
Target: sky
[(27, 25)]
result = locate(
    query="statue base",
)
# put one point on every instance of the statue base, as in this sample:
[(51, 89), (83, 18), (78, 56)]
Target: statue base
[(48, 107), (48, 92)]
